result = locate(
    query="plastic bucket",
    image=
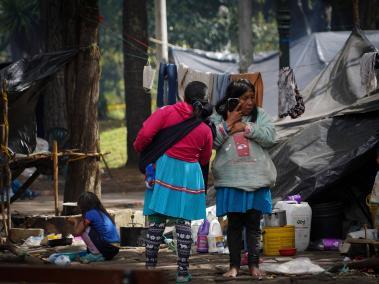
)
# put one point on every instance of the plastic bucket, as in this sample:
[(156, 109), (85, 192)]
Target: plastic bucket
[(276, 238)]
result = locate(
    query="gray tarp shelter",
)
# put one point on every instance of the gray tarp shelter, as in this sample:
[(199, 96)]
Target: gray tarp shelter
[(329, 152)]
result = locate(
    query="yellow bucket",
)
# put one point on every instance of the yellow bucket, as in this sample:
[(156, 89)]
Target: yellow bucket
[(276, 238)]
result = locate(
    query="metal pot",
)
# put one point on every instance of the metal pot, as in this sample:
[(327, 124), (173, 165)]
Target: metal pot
[(276, 219), (133, 236)]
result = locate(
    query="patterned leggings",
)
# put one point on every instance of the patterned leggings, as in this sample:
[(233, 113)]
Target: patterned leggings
[(154, 239)]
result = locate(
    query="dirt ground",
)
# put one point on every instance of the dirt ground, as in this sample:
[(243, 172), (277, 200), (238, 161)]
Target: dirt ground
[(125, 187)]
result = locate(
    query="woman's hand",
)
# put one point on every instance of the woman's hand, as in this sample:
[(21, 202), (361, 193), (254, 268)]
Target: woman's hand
[(238, 127), (234, 116)]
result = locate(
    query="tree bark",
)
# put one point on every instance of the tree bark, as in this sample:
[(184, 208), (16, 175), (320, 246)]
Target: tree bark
[(54, 98), (137, 101), (369, 14), (245, 34), (82, 92)]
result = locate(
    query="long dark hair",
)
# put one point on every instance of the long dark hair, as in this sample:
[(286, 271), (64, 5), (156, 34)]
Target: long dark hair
[(194, 94), (88, 201), (236, 89)]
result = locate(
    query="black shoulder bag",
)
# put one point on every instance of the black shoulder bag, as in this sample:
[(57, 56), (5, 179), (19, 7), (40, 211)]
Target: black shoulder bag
[(164, 140)]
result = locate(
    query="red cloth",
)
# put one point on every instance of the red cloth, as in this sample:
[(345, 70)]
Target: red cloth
[(194, 147)]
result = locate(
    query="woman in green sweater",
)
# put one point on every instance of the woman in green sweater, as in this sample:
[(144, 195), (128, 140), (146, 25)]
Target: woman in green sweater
[(243, 170)]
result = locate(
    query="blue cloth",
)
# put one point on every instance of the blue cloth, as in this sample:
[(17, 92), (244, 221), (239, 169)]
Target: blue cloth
[(178, 191), (220, 83), (230, 199), (167, 73), (103, 225)]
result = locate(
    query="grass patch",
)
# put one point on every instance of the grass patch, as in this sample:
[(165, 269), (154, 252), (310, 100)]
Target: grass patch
[(113, 139)]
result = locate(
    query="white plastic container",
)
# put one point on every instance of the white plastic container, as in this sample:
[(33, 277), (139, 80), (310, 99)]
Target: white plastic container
[(299, 215), (215, 238)]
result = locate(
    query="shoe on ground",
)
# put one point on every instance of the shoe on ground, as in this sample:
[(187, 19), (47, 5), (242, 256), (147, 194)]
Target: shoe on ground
[(90, 257), (183, 279)]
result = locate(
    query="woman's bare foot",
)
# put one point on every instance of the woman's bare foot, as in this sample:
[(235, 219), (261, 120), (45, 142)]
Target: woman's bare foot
[(256, 272), (232, 272)]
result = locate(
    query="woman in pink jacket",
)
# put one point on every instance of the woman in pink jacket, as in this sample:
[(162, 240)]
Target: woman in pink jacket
[(179, 190)]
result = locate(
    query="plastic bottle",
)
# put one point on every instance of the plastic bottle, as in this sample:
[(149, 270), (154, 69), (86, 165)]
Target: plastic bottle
[(215, 238), (202, 237)]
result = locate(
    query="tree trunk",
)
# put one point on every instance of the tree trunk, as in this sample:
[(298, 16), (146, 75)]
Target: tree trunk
[(369, 14), (82, 91), (138, 102), (54, 98), (245, 34)]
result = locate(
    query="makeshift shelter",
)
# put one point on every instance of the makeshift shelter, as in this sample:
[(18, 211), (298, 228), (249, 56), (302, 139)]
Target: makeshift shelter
[(328, 154), (308, 57)]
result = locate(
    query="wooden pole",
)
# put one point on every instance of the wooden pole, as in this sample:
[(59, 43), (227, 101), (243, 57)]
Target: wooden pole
[(5, 171), (161, 30), (25, 186), (55, 175)]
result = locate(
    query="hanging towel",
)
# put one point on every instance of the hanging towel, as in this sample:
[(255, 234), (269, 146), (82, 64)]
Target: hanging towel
[(220, 83), (256, 80), (290, 101), (187, 75), (148, 77), (368, 73)]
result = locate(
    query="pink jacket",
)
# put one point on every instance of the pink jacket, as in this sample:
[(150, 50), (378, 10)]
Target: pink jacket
[(194, 147)]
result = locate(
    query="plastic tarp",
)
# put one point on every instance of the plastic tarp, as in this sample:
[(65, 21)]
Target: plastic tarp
[(340, 125), (308, 57), (25, 80), (338, 130)]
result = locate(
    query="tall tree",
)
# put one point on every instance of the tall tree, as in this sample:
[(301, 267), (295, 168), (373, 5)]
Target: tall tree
[(82, 90), (20, 27), (54, 99), (137, 101), (245, 34)]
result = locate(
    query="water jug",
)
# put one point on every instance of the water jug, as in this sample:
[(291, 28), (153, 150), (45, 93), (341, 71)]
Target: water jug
[(215, 238), (299, 215)]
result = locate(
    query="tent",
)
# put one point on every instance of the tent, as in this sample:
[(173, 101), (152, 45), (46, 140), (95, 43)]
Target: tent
[(308, 57), (329, 152), (24, 81)]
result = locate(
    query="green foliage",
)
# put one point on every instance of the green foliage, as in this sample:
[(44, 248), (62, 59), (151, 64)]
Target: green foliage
[(113, 140), (112, 66), (213, 25), (18, 18), (265, 34), (17, 15)]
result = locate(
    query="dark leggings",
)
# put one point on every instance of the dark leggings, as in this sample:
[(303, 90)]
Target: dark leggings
[(251, 221), (154, 239)]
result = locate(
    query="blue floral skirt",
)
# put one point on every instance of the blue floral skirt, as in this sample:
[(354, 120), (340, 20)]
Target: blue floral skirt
[(178, 191), (230, 199)]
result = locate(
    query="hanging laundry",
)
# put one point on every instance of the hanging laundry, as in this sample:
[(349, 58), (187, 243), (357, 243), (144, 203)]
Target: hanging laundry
[(220, 83), (290, 101), (167, 84), (148, 77), (187, 75), (256, 80), (369, 81)]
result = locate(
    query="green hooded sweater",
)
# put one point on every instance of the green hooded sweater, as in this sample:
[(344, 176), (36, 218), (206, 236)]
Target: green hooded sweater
[(242, 160)]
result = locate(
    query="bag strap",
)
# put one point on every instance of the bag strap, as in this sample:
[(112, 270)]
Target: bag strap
[(164, 140)]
